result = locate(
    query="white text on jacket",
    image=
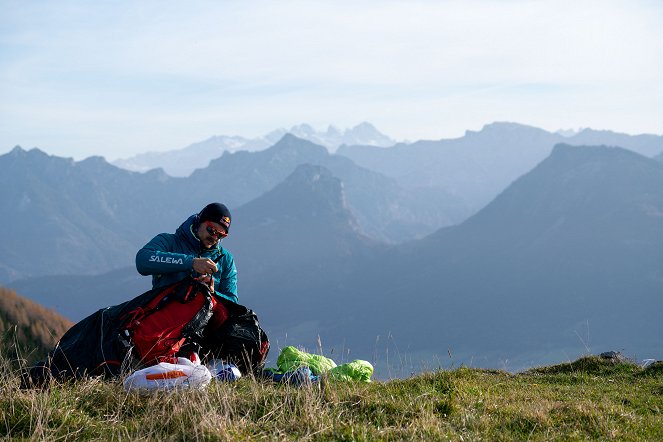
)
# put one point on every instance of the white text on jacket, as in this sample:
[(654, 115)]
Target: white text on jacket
[(169, 260)]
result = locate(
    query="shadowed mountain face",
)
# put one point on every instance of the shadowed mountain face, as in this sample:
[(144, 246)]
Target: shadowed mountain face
[(384, 210), (295, 247), (305, 218), (61, 216), (478, 166), (570, 255)]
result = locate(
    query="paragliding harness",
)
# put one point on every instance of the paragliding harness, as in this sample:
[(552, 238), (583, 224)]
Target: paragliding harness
[(179, 317), (152, 328), (157, 330)]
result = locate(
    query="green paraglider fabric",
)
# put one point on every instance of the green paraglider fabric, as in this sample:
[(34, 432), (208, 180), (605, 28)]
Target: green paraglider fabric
[(356, 370), (291, 358)]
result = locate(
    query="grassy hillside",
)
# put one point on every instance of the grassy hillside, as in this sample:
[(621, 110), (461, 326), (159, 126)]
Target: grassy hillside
[(27, 329), (588, 399)]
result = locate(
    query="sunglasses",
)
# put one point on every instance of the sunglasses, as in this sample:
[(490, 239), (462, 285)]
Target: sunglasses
[(212, 231)]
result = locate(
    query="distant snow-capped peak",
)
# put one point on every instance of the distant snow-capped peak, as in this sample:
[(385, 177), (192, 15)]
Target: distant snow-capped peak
[(181, 162)]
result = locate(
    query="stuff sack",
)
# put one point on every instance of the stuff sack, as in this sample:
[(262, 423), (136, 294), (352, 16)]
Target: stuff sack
[(184, 374), (160, 328), (239, 340)]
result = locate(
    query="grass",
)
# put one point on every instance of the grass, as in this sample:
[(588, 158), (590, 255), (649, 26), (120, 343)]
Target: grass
[(587, 399)]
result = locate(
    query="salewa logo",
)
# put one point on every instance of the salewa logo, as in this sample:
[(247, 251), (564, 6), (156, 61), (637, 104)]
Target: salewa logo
[(169, 260)]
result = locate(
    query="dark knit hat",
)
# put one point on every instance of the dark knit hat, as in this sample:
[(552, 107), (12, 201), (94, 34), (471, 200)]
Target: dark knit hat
[(216, 212)]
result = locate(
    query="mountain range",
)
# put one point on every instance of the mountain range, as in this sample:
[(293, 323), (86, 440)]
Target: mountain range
[(89, 217), (473, 168), (182, 162), (565, 259), (478, 166)]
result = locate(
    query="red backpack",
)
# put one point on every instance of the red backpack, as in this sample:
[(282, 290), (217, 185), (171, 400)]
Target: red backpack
[(158, 330)]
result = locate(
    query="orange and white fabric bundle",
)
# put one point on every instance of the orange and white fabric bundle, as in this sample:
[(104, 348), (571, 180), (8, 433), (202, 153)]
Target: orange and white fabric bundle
[(184, 374)]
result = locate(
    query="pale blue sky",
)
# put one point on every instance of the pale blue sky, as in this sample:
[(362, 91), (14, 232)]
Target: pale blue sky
[(115, 78)]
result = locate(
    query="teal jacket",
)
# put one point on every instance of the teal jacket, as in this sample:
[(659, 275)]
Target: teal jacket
[(169, 258)]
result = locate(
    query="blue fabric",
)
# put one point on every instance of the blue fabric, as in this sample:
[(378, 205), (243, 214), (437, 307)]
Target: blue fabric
[(299, 376), (169, 258)]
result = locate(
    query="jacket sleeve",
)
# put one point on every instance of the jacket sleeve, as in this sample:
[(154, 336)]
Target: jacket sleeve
[(155, 258), (227, 284)]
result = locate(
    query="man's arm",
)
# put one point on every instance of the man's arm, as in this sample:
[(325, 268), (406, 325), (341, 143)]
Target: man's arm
[(156, 259), (227, 286)]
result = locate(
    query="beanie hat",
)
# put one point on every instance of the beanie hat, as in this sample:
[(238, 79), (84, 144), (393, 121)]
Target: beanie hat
[(216, 212)]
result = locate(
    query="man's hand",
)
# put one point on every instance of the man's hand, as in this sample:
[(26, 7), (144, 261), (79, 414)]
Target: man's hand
[(208, 281), (204, 266)]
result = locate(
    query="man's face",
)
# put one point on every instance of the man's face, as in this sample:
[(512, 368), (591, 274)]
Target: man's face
[(210, 232)]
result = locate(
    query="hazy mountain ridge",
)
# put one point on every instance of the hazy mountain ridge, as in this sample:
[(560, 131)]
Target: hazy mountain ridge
[(479, 165), (364, 133), (648, 145), (182, 162)]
